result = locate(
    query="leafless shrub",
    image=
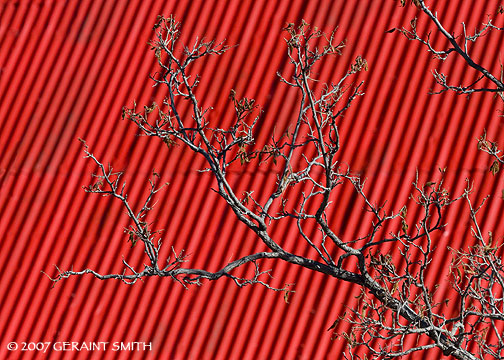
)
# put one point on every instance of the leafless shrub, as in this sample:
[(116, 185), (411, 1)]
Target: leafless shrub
[(397, 313)]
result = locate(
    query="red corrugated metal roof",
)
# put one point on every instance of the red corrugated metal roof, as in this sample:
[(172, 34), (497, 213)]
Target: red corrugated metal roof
[(66, 70)]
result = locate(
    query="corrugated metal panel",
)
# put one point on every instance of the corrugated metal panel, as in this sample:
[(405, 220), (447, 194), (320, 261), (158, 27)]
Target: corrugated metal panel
[(66, 70)]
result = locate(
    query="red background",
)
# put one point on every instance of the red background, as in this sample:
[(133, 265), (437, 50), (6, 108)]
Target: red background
[(66, 70)]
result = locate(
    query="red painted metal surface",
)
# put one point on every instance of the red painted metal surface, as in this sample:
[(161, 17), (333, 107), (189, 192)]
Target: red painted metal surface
[(66, 70)]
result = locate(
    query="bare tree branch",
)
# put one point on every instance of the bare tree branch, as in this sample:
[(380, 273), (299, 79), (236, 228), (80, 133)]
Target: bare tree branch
[(397, 306), (458, 45)]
